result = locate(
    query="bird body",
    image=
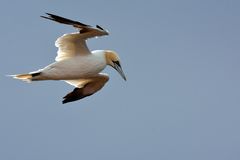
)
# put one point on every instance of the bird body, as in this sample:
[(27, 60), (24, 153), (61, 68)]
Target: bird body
[(75, 63), (74, 68)]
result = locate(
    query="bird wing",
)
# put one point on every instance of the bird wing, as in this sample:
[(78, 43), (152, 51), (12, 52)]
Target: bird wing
[(70, 45), (85, 87), (73, 44)]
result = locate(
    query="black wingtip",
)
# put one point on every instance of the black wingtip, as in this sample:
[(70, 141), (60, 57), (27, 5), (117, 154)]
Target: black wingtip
[(99, 27), (64, 101), (48, 13), (76, 94), (63, 20), (52, 15), (67, 101), (46, 17)]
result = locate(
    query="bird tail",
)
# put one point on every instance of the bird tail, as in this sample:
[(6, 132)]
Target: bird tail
[(28, 77)]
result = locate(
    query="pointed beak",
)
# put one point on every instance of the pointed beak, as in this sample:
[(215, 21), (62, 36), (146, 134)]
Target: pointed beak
[(118, 68)]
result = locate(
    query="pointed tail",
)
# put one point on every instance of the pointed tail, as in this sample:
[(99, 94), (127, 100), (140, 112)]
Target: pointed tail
[(28, 77)]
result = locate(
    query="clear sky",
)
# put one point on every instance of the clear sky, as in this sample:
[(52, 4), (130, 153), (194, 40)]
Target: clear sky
[(181, 100)]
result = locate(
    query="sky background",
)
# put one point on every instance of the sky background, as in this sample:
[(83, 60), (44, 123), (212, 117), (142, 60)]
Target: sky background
[(181, 100)]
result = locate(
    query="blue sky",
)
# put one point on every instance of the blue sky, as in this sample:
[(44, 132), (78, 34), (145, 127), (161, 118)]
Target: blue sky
[(181, 100)]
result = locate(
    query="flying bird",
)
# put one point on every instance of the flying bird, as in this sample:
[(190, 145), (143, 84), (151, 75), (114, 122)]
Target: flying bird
[(75, 63)]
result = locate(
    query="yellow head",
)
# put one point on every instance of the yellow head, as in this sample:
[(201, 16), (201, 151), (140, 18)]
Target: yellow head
[(113, 60)]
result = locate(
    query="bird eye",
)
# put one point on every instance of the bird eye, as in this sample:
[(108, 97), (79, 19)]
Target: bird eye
[(116, 62)]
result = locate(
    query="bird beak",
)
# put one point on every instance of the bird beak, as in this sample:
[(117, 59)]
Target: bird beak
[(118, 68)]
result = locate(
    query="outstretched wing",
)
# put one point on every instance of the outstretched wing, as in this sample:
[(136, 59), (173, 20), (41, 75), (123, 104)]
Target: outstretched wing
[(73, 44), (85, 87), (87, 31)]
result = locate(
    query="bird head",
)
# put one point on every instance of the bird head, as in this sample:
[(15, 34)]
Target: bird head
[(113, 60)]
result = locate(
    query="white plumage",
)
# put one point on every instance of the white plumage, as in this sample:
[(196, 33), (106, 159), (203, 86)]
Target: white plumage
[(75, 63), (70, 45)]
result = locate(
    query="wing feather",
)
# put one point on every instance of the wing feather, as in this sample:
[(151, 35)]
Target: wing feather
[(85, 87), (73, 44)]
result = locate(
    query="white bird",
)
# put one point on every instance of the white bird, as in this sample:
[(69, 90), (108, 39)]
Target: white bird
[(75, 63)]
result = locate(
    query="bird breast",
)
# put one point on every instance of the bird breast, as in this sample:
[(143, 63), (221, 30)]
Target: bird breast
[(75, 68)]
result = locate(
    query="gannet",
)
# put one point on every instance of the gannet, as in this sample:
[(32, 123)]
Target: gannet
[(75, 63)]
